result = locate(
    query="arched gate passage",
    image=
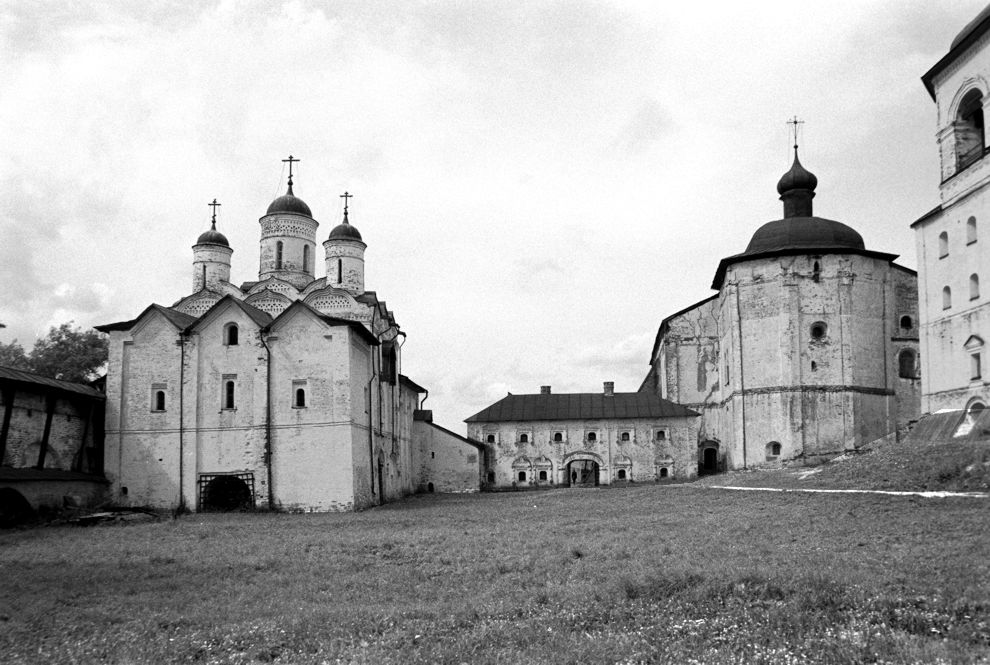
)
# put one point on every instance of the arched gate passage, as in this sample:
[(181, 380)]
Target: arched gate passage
[(226, 492), (582, 470)]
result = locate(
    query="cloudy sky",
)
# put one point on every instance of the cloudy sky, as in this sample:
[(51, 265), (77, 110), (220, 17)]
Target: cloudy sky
[(539, 183)]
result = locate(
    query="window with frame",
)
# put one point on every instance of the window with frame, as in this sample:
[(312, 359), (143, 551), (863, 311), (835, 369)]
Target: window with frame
[(906, 364), (968, 129), (522, 476), (490, 438), (299, 396), (660, 435), (524, 438), (591, 436), (974, 347), (558, 437), (907, 323), (624, 436), (231, 334), (158, 396), (229, 389)]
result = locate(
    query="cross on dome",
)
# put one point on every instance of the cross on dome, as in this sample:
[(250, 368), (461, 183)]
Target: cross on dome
[(214, 205), (346, 196)]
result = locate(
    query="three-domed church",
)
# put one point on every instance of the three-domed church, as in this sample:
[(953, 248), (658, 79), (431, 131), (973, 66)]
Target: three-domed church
[(281, 392), (808, 349)]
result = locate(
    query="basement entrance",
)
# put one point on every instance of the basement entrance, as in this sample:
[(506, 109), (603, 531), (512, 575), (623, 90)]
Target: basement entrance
[(708, 460), (226, 492), (582, 473)]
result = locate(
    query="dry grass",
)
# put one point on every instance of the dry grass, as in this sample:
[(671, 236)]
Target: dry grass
[(642, 574)]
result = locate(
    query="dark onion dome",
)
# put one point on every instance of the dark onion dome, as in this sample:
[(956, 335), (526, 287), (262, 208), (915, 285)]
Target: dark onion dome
[(212, 237), (345, 231), (797, 178), (803, 233), (289, 202)]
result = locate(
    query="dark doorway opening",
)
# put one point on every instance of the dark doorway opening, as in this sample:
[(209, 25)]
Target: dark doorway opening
[(14, 508), (708, 464), (381, 483), (583, 473), (225, 493)]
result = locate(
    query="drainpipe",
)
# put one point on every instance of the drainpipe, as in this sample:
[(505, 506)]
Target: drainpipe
[(182, 375), (742, 381), (371, 420), (268, 420)]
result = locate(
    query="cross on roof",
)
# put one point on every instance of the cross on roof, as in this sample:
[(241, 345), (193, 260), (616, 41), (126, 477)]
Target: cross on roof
[(214, 205), (291, 159), (795, 122), (346, 196)]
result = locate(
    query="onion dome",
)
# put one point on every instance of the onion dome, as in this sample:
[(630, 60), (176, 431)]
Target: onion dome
[(797, 178), (345, 231), (212, 237), (289, 202)]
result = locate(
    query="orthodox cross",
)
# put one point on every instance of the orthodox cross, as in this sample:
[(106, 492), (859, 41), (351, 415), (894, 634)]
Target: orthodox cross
[(214, 205), (346, 196), (795, 122), (291, 159)]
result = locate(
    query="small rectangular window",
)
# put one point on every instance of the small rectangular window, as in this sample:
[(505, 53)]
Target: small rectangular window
[(661, 435), (975, 369)]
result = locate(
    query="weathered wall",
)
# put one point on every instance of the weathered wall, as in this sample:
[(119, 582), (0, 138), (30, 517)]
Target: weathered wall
[(72, 431), (142, 444), (641, 458), (445, 462)]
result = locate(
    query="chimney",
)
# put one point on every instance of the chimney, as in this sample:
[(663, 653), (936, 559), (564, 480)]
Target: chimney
[(610, 389), (544, 390)]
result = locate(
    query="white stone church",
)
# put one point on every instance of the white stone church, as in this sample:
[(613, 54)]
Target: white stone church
[(285, 392)]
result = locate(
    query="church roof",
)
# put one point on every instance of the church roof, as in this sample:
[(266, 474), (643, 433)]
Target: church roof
[(972, 32), (212, 237), (579, 406), (260, 318), (175, 317), (799, 232)]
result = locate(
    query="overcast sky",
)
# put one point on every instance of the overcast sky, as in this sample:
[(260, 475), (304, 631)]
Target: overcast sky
[(539, 183)]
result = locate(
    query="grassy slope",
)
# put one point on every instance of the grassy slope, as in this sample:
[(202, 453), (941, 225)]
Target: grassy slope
[(644, 574), (907, 465)]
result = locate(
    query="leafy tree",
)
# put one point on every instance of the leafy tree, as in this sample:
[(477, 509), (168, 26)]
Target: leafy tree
[(69, 354), (13, 355)]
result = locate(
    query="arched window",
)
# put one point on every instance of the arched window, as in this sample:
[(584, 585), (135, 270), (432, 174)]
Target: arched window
[(816, 272), (159, 400), (661, 435), (228, 395), (558, 437), (968, 129), (970, 230), (946, 298), (230, 336), (943, 245), (300, 397), (305, 258), (340, 271), (773, 449), (906, 363), (491, 438), (906, 322), (522, 476), (592, 436), (663, 472), (543, 475), (278, 255), (818, 330), (523, 438), (974, 347), (625, 436), (974, 286)]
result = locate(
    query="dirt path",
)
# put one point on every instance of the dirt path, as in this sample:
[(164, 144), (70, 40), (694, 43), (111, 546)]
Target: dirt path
[(928, 495)]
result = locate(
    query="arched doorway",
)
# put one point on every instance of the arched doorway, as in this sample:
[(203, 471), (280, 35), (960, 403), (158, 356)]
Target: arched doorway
[(14, 508), (226, 493), (708, 458), (583, 473)]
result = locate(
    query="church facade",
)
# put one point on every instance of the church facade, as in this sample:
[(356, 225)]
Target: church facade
[(284, 392), (808, 349), (951, 240)]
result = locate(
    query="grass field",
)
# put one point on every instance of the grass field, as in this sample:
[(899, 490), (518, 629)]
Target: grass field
[(678, 574)]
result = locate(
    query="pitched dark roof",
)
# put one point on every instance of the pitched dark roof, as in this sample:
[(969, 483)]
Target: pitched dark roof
[(968, 36), (406, 381), (9, 374), (580, 406), (175, 317)]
